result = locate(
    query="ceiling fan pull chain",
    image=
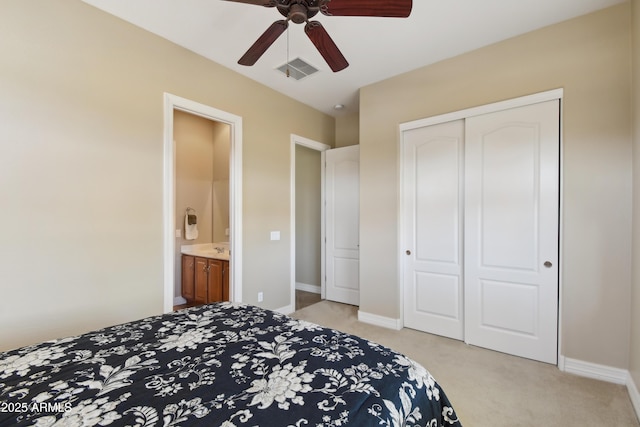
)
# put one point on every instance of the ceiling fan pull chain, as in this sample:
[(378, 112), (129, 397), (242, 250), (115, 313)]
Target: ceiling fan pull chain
[(287, 51)]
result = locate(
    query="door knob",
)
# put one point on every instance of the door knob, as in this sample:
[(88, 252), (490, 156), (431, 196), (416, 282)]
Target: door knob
[(408, 252), (548, 264)]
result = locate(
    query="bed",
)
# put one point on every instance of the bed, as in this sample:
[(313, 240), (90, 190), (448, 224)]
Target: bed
[(221, 364)]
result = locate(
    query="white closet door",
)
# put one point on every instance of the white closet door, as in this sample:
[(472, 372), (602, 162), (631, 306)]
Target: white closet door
[(342, 188), (432, 218), (511, 231)]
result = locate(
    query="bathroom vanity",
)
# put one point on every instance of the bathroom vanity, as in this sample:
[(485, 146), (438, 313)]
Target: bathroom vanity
[(205, 273)]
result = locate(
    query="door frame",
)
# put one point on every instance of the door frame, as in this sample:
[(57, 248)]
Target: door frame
[(554, 94), (171, 103), (318, 146)]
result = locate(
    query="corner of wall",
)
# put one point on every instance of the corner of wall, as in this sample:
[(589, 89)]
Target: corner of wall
[(634, 395)]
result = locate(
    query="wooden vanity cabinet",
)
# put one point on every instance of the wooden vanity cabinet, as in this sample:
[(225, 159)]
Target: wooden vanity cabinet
[(214, 282), (204, 280), (188, 279), (201, 280)]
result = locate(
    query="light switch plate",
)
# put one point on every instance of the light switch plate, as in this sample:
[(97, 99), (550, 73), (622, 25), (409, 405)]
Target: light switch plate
[(275, 235)]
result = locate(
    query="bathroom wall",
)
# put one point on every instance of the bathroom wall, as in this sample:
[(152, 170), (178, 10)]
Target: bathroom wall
[(220, 207), (193, 137)]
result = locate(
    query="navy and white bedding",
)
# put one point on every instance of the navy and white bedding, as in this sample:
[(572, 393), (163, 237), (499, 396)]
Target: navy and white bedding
[(221, 364)]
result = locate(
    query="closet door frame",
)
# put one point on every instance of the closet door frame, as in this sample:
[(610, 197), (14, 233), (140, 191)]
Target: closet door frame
[(555, 94)]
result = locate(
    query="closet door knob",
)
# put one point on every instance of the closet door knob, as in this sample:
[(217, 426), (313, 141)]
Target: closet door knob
[(408, 252), (548, 264)]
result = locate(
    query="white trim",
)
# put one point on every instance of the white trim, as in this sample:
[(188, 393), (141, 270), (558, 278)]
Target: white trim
[(375, 319), (603, 373), (287, 309), (593, 370), (308, 288), (318, 146), (323, 218), (634, 395), (484, 109), (171, 103), (561, 231), (400, 197)]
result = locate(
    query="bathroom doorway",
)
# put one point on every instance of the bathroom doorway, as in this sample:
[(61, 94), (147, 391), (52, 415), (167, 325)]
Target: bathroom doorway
[(211, 185), (202, 187)]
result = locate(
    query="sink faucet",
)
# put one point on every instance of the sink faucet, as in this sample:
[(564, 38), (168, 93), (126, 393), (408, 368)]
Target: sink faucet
[(219, 249)]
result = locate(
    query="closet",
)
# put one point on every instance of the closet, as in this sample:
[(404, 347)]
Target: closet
[(480, 227)]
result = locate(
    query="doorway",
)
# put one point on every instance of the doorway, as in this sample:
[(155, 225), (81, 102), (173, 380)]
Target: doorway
[(202, 190), (174, 103), (307, 228)]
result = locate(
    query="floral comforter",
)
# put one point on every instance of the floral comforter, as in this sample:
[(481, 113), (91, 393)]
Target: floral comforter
[(221, 364)]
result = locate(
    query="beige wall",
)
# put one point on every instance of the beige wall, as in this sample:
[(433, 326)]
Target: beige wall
[(589, 58), (635, 301), (308, 209), (347, 130), (221, 170), (81, 101)]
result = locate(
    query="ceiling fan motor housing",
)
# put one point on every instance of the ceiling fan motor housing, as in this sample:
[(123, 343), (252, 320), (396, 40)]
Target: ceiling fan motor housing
[(297, 11)]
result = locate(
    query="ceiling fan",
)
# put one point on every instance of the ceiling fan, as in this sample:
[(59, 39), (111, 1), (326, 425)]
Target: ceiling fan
[(300, 11)]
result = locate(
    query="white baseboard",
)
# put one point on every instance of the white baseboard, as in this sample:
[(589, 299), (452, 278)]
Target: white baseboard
[(307, 287), (593, 370), (374, 319), (632, 388), (288, 309), (179, 301)]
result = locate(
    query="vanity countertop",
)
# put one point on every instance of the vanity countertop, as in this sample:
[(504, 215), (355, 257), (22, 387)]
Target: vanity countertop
[(207, 250)]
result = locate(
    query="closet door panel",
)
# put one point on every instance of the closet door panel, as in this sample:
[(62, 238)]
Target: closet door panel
[(511, 230), (509, 194), (432, 218)]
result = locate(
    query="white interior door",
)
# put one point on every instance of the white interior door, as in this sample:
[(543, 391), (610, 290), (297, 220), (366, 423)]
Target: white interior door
[(511, 230), (342, 192), (433, 218)]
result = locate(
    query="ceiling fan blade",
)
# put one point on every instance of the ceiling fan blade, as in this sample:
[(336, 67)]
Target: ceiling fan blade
[(325, 46), (262, 44), (380, 8), (265, 3)]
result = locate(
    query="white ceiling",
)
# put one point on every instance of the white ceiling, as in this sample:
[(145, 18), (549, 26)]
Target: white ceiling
[(376, 48)]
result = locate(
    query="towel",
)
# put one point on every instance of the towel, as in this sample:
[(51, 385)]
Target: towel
[(190, 227)]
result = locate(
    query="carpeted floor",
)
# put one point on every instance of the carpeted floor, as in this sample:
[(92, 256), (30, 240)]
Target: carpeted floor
[(488, 388), (304, 299)]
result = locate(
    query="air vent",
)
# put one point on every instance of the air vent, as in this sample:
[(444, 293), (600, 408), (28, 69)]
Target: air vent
[(298, 69)]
